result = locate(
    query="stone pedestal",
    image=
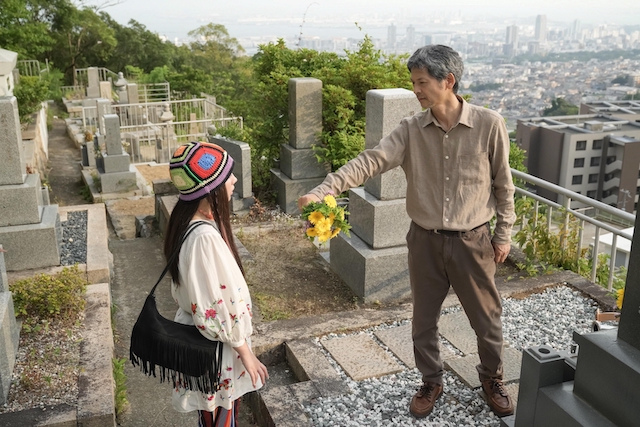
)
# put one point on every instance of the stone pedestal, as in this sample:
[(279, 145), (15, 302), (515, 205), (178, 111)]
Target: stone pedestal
[(30, 228), (242, 197), (116, 175), (601, 389), (299, 169), (9, 333), (373, 262)]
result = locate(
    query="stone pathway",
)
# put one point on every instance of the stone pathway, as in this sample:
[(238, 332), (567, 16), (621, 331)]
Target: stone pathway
[(65, 179)]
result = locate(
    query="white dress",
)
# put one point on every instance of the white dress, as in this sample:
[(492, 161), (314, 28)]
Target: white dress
[(214, 297)]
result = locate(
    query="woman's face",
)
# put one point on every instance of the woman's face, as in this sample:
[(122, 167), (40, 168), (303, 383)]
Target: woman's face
[(230, 185)]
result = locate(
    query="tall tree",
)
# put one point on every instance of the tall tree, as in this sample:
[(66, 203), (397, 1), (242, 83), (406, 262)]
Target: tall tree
[(560, 107)]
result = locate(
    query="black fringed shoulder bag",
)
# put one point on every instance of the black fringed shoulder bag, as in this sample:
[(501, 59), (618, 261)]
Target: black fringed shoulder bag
[(180, 351)]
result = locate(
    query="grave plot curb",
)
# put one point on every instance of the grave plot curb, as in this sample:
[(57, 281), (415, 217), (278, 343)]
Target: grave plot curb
[(96, 400)]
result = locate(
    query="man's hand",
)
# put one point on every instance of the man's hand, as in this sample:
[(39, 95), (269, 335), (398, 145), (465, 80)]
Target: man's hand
[(306, 199), (501, 252)]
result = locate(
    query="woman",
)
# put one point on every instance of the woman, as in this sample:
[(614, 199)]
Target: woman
[(208, 282)]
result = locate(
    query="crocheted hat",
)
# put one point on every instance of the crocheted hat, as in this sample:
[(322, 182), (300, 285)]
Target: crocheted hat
[(198, 168)]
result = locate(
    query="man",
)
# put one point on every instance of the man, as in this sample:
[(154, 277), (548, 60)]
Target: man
[(456, 159)]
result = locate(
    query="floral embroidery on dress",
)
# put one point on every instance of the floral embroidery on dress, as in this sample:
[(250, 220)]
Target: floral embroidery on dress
[(193, 308), (209, 314)]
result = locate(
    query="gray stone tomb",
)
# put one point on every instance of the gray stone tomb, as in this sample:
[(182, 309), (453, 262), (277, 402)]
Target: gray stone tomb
[(28, 225), (373, 261), (242, 197), (599, 386), (299, 170), (116, 175), (9, 333)]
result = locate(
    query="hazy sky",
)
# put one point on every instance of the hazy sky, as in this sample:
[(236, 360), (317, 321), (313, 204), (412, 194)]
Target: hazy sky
[(174, 18)]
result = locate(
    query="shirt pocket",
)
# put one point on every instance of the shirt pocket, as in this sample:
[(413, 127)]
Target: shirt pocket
[(473, 169)]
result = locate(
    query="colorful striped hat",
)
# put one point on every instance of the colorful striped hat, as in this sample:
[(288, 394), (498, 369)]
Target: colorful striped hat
[(198, 168)]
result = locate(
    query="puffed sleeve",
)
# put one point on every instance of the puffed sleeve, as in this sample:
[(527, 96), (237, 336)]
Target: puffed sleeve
[(218, 293)]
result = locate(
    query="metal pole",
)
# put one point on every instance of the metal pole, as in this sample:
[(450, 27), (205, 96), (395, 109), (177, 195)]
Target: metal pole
[(594, 255), (612, 262)]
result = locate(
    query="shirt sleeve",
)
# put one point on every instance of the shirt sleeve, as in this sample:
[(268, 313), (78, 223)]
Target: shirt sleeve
[(214, 285), (385, 156), (503, 188)]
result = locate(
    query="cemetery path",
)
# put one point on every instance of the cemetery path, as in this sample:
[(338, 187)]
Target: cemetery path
[(65, 178)]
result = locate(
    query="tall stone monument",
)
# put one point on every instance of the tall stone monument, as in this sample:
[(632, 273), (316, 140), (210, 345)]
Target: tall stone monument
[(116, 175), (601, 387), (299, 169), (373, 261), (9, 333), (30, 229), (93, 84)]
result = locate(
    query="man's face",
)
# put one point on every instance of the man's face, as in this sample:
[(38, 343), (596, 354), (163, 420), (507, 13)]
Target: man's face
[(429, 91)]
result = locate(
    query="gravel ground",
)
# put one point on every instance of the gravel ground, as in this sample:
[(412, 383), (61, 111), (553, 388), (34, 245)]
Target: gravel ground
[(74, 239), (546, 318)]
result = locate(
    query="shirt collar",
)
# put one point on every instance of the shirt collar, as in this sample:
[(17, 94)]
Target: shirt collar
[(465, 115)]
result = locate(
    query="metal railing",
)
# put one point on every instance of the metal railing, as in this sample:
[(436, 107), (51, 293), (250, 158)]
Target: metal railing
[(152, 131), (82, 76), (598, 209), (154, 92), (30, 67)]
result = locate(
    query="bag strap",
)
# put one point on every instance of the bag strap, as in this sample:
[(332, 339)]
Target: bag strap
[(175, 254)]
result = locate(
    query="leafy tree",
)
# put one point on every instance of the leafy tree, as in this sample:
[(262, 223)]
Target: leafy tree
[(30, 93), (28, 26), (138, 47), (560, 107), (84, 39)]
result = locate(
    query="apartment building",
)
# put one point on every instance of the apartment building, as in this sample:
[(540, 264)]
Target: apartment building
[(624, 110), (597, 155)]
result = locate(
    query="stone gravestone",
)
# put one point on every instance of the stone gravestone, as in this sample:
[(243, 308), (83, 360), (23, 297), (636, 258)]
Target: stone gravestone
[(9, 333), (299, 169), (115, 176), (373, 261), (600, 388), (93, 87), (242, 198), (30, 229)]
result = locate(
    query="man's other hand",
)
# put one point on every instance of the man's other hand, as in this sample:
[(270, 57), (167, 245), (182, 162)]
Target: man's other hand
[(501, 252)]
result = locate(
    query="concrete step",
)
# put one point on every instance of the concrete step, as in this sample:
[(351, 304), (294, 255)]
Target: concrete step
[(558, 405)]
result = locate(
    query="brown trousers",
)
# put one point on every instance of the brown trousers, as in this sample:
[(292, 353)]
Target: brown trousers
[(466, 262)]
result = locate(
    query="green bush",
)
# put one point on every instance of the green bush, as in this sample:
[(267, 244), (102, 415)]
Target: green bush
[(31, 92), (45, 296)]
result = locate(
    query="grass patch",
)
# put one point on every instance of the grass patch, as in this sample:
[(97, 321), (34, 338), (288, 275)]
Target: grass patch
[(271, 307), (122, 404)]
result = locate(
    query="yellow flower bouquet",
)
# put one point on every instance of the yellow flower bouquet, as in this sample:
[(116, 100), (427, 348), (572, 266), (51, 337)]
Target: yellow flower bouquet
[(619, 297), (325, 219)]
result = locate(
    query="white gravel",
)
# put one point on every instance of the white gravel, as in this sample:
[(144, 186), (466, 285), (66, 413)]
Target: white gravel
[(547, 318)]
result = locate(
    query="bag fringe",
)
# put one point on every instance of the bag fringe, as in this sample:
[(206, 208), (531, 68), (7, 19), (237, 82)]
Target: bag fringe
[(193, 369)]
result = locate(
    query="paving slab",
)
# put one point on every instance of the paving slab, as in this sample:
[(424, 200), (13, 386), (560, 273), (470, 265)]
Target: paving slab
[(455, 327), (309, 363), (361, 357), (400, 343), (465, 367), (278, 406)]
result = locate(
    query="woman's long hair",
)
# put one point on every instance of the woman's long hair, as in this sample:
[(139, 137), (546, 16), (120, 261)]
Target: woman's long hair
[(182, 214)]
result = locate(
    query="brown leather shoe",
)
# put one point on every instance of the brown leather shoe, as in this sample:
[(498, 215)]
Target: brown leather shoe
[(497, 397), (424, 400)]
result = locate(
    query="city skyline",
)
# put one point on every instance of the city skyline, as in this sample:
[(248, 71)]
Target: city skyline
[(284, 18)]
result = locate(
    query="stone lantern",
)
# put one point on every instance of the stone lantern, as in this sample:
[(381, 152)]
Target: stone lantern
[(8, 61)]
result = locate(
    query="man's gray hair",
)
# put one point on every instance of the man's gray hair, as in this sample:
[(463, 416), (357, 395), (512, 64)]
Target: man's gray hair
[(438, 60)]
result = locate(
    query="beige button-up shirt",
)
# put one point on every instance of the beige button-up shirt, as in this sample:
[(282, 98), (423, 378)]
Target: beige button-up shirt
[(456, 180)]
